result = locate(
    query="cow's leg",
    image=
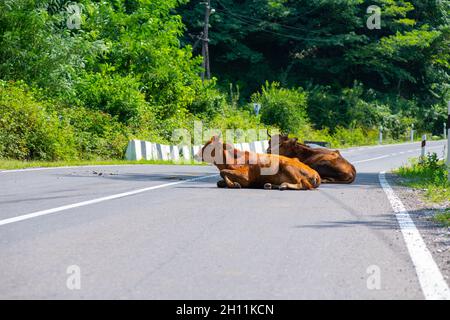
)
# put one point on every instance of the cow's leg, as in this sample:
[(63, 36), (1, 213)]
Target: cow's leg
[(235, 179), (232, 185), (291, 186)]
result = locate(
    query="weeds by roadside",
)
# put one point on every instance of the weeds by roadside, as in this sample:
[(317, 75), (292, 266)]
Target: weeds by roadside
[(430, 175), (16, 164), (443, 218)]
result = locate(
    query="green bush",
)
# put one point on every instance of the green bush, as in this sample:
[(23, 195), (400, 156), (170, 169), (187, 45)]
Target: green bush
[(116, 95), (284, 108), (29, 130), (97, 135), (354, 136), (32, 129), (341, 138), (429, 174), (208, 100)]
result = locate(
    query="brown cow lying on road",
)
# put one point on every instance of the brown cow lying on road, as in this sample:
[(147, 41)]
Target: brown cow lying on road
[(243, 169), (330, 164)]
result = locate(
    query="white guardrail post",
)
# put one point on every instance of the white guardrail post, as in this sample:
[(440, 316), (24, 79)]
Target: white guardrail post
[(381, 135), (134, 151), (423, 149), (144, 150)]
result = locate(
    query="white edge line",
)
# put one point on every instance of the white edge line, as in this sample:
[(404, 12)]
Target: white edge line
[(433, 284), (89, 202)]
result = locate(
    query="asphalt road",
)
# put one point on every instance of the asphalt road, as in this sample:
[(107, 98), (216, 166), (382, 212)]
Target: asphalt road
[(191, 240)]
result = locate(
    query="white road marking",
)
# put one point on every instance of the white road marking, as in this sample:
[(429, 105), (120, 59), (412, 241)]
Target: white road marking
[(372, 159), (98, 200), (391, 155), (129, 165), (433, 284)]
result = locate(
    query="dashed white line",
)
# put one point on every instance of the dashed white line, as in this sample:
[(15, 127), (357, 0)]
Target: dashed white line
[(98, 200), (433, 284)]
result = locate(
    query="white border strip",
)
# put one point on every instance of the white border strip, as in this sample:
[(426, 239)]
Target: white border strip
[(89, 202), (434, 286)]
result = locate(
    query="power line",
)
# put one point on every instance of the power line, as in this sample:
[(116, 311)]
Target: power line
[(273, 32), (259, 20), (244, 20)]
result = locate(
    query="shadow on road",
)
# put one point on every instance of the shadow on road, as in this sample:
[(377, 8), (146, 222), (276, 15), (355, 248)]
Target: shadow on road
[(134, 177), (377, 222)]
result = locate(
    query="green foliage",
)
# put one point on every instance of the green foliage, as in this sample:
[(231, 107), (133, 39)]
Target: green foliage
[(28, 130), (130, 72), (443, 218), (116, 95), (97, 135), (34, 129), (285, 108), (429, 174), (208, 100), (356, 107), (326, 44)]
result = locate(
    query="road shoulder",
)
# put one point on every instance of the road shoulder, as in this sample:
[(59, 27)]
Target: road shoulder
[(436, 237)]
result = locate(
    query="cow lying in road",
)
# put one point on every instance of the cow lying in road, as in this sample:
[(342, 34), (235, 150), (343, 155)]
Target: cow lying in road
[(330, 164), (243, 169)]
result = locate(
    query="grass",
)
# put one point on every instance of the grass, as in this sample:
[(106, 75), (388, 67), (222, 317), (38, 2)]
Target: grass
[(16, 164), (430, 176), (443, 218)]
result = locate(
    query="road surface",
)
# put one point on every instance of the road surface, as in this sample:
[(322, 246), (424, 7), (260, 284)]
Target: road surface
[(147, 232)]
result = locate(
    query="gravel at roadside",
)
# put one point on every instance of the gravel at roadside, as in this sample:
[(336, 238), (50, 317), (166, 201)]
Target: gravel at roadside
[(436, 237)]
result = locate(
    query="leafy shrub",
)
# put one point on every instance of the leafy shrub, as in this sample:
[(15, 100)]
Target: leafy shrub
[(354, 136), (208, 100), (342, 137), (357, 107), (97, 135), (429, 174), (285, 108), (116, 95), (28, 130)]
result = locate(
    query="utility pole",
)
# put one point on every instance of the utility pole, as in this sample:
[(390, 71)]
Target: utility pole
[(205, 48), (381, 136)]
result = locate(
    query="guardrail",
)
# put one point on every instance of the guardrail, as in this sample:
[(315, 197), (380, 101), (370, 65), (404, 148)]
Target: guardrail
[(144, 150)]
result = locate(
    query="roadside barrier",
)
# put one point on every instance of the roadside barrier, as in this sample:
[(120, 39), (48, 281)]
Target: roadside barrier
[(145, 150)]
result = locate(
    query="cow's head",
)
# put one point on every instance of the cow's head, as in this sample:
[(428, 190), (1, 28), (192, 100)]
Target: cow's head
[(329, 163), (209, 152), (286, 146)]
